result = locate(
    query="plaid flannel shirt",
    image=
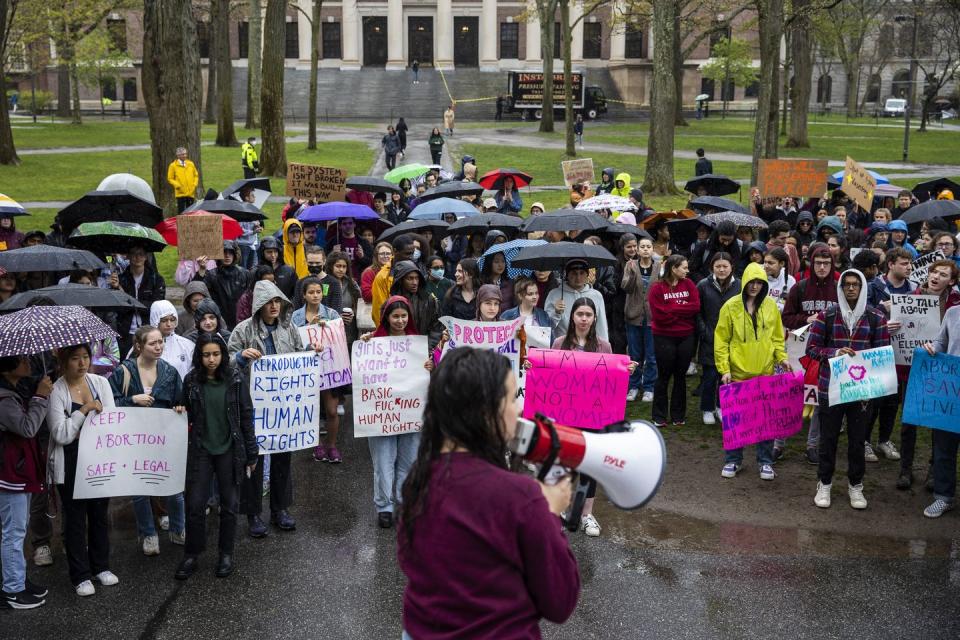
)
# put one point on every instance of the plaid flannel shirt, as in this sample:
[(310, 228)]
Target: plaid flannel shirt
[(823, 342)]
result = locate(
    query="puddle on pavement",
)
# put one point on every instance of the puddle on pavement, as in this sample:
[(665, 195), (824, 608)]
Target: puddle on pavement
[(654, 529)]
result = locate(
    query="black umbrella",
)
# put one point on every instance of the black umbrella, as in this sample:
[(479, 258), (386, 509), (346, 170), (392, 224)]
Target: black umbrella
[(566, 220), (454, 189), (115, 206), (715, 184), (485, 222), (239, 211), (548, 257), (46, 258), (946, 209), (833, 183), (929, 189), (709, 204), (438, 227), (81, 295), (261, 184), (373, 185), (617, 229)]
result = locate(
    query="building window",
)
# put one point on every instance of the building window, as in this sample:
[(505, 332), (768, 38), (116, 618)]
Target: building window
[(873, 88), (706, 87), (117, 30), (108, 87), (752, 90), (824, 89), (717, 36), (557, 41), (331, 40), (130, 89), (901, 84), (203, 39), (591, 40), (509, 40), (243, 39), (634, 48), (292, 49)]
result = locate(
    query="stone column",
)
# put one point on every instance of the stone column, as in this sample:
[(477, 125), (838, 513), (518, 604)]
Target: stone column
[(489, 34), (576, 42), (444, 27), (350, 35), (533, 57), (618, 38), (303, 31), (395, 36)]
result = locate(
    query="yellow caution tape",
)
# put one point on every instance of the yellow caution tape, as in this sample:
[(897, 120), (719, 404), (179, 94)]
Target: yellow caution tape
[(453, 100), (641, 104)]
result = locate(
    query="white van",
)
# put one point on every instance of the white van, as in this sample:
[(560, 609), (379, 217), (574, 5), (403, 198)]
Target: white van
[(894, 108)]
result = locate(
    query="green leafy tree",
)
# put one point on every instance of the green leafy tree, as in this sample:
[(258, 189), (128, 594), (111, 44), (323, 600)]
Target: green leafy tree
[(98, 61), (731, 62)]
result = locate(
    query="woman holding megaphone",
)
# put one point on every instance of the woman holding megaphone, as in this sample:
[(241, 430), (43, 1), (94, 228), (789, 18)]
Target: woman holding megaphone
[(470, 526)]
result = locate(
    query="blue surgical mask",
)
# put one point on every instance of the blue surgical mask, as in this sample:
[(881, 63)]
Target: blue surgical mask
[(437, 273), (416, 254)]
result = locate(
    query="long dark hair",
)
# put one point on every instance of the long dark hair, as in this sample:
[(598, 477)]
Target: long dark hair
[(672, 262), (625, 239), (469, 266), (463, 406), (570, 340), (223, 370)]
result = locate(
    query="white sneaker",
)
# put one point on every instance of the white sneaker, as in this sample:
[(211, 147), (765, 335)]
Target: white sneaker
[(708, 418), (107, 578), (632, 394), (85, 589), (340, 410), (888, 450), (590, 526), (730, 470), (823, 495), (164, 523), (151, 546), (767, 472), (647, 396), (42, 557), (857, 501), (938, 508), (178, 538), (868, 453)]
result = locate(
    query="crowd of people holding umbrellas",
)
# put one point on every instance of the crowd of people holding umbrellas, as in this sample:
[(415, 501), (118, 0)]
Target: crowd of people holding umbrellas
[(88, 324)]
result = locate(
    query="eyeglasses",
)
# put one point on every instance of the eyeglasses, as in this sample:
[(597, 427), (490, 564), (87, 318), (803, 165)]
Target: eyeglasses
[(851, 285), (384, 254), (944, 245)]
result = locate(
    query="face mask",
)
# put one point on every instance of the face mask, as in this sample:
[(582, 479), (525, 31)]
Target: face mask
[(437, 273), (315, 269), (416, 254)]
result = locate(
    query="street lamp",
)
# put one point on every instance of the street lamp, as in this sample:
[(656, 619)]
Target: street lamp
[(911, 81)]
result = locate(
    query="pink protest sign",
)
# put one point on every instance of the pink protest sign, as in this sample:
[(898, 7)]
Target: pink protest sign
[(761, 409), (577, 389)]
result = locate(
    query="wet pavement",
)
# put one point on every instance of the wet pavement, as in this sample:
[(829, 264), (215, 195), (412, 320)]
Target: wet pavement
[(652, 573)]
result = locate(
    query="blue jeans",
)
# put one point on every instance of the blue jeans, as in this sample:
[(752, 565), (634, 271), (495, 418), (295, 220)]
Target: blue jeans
[(14, 514), (708, 388), (640, 349), (248, 257), (392, 458), (764, 454), (144, 514)]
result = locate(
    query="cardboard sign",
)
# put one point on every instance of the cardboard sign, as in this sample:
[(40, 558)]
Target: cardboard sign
[(921, 267), (200, 235), (312, 182), (131, 451), (919, 317), (869, 374), (575, 388), (796, 344), (799, 178), (933, 392), (761, 409), (334, 357), (285, 390), (577, 171), (859, 184), (389, 385)]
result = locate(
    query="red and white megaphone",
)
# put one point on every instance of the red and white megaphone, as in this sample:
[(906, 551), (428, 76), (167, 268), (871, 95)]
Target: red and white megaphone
[(627, 459)]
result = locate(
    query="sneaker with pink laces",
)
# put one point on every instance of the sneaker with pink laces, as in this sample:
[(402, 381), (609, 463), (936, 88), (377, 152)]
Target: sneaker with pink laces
[(319, 453), (333, 455)]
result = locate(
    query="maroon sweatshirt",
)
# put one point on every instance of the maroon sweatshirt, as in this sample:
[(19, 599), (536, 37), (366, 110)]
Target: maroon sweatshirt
[(674, 309), (810, 295), (488, 559)]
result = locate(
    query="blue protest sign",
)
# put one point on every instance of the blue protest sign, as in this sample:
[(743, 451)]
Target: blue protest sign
[(933, 391)]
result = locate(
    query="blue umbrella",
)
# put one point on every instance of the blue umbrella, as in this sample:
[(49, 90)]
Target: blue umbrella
[(510, 250), (336, 210), (838, 176), (435, 209)]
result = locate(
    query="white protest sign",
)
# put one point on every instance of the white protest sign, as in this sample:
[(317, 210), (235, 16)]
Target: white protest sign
[(131, 451), (869, 374), (285, 390), (389, 385), (921, 267), (334, 358), (919, 317), (797, 356)]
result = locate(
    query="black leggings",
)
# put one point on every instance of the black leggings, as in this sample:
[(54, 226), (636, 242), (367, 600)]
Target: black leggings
[(673, 359)]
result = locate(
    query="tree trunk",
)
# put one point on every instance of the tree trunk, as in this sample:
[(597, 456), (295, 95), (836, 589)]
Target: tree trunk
[(254, 43), (770, 23), (210, 106), (785, 89), (659, 178), (802, 54), (74, 95), (773, 128), (851, 77), (546, 52), (63, 88), (172, 88), (571, 150), (314, 63), (679, 120), (8, 150), (273, 161), (226, 136)]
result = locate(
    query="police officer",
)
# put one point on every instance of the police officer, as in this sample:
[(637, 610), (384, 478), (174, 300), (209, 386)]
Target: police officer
[(249, 160)]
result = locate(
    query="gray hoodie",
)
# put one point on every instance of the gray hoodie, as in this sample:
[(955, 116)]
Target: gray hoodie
[(253, 334), (185, 322), (949, 339)]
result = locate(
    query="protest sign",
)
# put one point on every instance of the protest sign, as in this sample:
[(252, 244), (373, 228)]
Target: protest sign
[(131, 451), (389, 385), (200, 235), (576, 388), (933, 392), (919, 317), (334, 370), (577, 171), (797, 357), (312, 182), (798, 178), (761, 409), (921, 267), (859, 184), (869, 374), (285, 390)]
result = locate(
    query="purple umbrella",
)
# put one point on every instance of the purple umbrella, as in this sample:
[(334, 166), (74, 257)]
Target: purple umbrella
[(336, 210), (39, 329)]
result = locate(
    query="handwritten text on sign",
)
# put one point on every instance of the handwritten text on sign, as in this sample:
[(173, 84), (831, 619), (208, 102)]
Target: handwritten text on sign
[(577, 171), (312, 182), (200, 235), (858, 183), (133, 451), (797, 357), (933, 392), (868, 374), (575, 388), (285, 390), (496, 336), (920, 268), (389, 385), (334, 358), (919, 317), (761, 409), (807, 178)]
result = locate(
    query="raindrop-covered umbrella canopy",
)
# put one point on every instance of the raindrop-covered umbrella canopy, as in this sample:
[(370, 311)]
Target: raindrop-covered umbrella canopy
[(739, 219), (115, 237), (606, 201), (929, 189), (116, 206), (946, 209), (484, 222), (39, 329), (438, 227), (168, 228), (510, 249), (566, 220), (838, 176), (715, 184), (336, 210), (454, 189), (261, 191), (708, 204), (371, 184), (130, 183), (81, 295), (239, 211), (46, 258), (556, 255), (435, 209), (409, 171), (10, 207), (493, 180), (617, 229)]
